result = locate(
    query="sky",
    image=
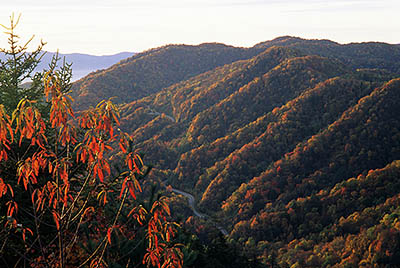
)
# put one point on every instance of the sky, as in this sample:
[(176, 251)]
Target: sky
[(105, 27)]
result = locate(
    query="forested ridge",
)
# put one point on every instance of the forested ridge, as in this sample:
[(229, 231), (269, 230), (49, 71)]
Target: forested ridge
[(293, 144), (150, 71)]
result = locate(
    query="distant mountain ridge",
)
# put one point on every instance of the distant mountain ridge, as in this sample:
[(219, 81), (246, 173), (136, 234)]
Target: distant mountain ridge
[(82, 64)]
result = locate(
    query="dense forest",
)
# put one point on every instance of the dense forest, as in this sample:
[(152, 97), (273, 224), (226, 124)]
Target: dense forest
[(291, 148), (291, 145)]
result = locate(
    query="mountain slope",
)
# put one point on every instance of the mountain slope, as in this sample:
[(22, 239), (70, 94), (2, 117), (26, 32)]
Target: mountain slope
[(365, 137), (150, 71), (300, 118), (275, 88), (351, 224), (219, 83), (185, 99), (239, 74)]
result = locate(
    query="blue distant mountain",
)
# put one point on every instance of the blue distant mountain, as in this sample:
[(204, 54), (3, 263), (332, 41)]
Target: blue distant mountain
[(83, 64)]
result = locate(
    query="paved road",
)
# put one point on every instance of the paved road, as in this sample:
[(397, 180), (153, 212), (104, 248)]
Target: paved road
[(191, 203), (153, 112)]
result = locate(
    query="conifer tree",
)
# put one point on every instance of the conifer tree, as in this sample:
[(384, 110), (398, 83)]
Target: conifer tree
[(18, 78)]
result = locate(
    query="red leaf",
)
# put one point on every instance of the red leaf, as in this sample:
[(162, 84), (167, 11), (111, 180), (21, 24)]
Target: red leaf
[(122, 147), (29, 230), (131, 189), (109, 235), (11, 190), (130, 163), (100, 174), (55, 217)]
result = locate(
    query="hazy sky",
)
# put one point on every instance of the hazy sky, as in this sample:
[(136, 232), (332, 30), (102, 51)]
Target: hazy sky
[(110, 26)]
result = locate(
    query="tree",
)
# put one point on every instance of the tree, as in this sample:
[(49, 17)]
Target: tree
[(70, 182), (18, 67)]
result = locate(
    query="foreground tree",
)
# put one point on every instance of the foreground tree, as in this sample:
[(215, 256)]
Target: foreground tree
[(69, 182)]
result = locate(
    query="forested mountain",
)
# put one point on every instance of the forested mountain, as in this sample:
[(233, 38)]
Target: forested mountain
[(355, 55), (293, 145), (150, 71)]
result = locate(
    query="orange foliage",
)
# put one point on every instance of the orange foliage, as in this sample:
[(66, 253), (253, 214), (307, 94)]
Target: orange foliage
[(48, 172)]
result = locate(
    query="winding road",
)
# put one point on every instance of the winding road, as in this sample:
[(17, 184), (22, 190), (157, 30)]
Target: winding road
[(191, 203), (153, 112)]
